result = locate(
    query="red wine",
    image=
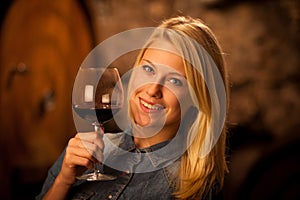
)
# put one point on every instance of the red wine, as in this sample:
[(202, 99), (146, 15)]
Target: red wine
[(101, 115)]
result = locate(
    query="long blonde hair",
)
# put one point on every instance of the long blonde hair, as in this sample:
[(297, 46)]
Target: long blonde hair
[(197, 175)]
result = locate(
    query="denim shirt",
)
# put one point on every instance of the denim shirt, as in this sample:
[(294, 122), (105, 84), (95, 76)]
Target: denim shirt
[(154, 184), (158, 184)]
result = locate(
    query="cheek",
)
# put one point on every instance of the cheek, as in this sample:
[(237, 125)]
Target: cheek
[(137, 83), (172, 101), (133, 110), (182, 101), (177, 97), (132, 103)]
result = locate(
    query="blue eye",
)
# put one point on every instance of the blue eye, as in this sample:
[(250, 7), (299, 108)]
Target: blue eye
[(175, 81), (149, 69)]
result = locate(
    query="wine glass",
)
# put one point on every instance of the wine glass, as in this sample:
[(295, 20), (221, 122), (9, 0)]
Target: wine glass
[(97, 95)]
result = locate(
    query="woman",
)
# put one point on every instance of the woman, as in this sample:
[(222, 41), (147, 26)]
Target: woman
[(177, 101)]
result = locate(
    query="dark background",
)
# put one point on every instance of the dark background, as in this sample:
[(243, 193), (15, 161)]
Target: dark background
[(44, 42)]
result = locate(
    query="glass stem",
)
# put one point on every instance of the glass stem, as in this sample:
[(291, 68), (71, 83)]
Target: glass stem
[(98, 168)]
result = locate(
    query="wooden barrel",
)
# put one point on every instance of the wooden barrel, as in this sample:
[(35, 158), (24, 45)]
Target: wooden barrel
[(42, 45)]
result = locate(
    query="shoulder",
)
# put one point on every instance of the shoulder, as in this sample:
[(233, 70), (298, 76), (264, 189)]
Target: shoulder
[(52, 174)]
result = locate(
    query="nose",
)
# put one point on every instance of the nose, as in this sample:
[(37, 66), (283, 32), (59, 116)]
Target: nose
[(154, 90)]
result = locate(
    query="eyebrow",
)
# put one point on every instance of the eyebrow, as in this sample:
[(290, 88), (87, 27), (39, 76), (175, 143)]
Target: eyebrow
[(148, 61)]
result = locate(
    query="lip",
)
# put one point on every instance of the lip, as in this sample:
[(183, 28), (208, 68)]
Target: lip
[(145, 106)]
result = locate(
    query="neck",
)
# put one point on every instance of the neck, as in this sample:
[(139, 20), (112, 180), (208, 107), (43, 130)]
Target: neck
[(148, 136)]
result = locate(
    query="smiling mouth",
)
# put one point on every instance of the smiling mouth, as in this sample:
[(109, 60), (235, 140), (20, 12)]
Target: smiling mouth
[(151, 107)]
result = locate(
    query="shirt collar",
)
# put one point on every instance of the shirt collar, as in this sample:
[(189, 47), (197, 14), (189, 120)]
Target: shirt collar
[(160, 154)]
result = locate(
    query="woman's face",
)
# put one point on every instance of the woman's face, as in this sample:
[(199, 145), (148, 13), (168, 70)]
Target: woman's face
[(158, 89)]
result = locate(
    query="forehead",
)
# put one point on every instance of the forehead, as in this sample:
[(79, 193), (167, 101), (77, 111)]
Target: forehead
[(163, 57)]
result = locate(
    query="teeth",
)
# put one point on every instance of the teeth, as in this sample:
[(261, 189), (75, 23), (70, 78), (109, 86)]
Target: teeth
[(151, 107)]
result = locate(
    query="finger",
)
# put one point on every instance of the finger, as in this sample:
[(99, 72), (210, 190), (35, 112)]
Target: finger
[(72, 161), (94, 150), (90, 136), (95, 145), (75, 151), (87, 149), (77, 148)]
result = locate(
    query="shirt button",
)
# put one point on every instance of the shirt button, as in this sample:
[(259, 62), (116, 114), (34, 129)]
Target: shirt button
[(110, 196)]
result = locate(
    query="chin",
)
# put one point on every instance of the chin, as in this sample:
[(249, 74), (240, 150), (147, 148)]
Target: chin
[(142, 123)]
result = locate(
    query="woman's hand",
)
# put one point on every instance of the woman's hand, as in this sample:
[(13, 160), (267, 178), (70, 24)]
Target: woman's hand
[(82, 153)]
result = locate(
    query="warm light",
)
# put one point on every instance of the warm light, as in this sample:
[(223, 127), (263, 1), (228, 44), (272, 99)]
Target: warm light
[(88, 93)]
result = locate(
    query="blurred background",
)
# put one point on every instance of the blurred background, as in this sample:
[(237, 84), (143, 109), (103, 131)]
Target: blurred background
[(42, 44)]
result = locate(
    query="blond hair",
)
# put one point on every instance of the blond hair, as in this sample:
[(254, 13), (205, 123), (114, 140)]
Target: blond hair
[(198, 174)]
